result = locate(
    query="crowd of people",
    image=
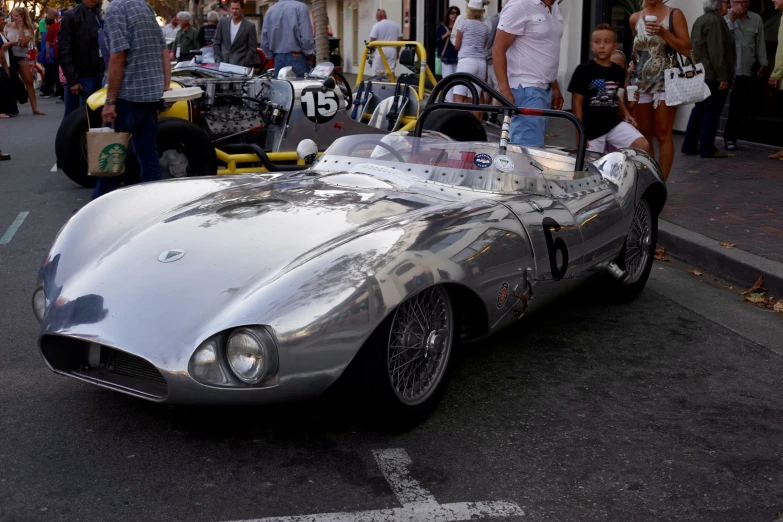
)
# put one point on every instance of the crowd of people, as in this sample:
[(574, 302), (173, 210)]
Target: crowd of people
[(517, 52)]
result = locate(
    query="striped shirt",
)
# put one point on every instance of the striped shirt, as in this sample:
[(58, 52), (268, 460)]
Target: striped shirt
[(475, 35), (131, 26)]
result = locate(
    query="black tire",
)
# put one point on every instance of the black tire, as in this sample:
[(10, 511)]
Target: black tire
[(70, 147), (629, 289), (459, 125), (379, 397), (193, 151)]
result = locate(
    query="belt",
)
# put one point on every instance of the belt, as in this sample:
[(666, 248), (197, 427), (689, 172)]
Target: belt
[(296, 54)]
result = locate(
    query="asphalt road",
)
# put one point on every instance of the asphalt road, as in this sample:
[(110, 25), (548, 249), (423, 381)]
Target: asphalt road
[(665, 409)]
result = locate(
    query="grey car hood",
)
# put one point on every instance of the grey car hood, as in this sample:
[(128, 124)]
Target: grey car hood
[(237, 236)]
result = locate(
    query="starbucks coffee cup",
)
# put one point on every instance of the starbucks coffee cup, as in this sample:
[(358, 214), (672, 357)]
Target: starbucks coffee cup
[(650, 19)]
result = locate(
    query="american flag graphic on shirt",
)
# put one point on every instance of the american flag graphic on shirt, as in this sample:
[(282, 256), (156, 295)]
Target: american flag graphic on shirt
[(606, 93)]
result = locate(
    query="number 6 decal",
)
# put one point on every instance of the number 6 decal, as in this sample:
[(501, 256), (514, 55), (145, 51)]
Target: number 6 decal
[(553, 246), (319, 106)]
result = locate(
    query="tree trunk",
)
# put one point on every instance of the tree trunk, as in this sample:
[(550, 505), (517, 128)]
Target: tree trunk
[(321, 31)]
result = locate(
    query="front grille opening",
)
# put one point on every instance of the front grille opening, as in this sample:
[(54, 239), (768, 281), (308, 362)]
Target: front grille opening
[(95, 362)]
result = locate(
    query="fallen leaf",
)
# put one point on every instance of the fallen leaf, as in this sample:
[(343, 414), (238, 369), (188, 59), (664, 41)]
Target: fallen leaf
[(756, 286), (727, 245), (756, 298), (660, 253), (778, 307), (695, 272), (692, 171)]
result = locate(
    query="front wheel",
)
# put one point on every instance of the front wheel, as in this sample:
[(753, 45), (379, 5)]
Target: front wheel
[(70, 147), (638, 253), (405, 366)]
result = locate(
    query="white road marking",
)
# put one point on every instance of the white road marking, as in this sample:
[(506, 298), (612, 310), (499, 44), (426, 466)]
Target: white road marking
[(418, 504), (9, 234), (394, 465), (54, 168)]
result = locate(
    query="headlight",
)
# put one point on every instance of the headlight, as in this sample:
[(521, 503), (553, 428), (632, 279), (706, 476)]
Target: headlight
[(39, 304), (205, 363), (251, 354)]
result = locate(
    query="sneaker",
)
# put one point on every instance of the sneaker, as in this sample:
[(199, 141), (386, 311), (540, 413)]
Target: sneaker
[(4, 157), (717, 155), (731, 145), (494, 122)]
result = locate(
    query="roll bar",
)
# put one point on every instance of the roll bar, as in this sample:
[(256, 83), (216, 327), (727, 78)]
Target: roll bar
[(421, 54), (507, 108)]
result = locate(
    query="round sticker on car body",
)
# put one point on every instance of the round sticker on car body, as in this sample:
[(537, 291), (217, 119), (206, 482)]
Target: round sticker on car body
[(483, 161), (504, 163)]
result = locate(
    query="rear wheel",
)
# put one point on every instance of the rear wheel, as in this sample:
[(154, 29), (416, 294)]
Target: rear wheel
[(405, 366), (638, 253), (459, 125), (184, 150), (70, 147)]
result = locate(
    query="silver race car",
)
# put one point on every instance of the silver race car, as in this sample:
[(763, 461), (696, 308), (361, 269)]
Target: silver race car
[(372, 265)]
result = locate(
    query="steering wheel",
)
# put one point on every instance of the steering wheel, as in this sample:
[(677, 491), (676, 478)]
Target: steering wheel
[(345, 87), (377, 143)]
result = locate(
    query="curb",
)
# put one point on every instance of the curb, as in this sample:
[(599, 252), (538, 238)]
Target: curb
[(734, 265)]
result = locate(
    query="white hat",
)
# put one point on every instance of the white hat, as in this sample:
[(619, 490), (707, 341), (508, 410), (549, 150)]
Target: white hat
[(478, 5)]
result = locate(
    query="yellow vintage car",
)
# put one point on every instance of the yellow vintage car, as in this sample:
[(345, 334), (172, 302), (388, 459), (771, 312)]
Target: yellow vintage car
[(247, 124)]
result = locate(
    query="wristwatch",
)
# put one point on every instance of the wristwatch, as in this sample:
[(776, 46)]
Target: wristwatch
[(110, 102)]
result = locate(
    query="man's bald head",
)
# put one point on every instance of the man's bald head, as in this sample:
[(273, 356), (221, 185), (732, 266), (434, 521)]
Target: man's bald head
[(380, 14)]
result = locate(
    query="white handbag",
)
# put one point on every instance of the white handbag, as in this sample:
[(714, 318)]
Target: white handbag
[(684, 83)]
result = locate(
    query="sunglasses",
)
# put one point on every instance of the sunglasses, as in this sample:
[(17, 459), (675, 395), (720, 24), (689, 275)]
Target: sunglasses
[(453, 12)]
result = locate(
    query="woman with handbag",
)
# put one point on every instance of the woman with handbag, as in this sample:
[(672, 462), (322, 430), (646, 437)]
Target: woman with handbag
[(20, 31), (444, 49), (713, 48), (658, 32)]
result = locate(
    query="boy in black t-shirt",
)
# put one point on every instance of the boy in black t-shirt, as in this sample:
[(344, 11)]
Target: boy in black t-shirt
[(595, 85)]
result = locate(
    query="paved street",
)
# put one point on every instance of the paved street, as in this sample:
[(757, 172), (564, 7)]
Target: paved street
[(665, 409)]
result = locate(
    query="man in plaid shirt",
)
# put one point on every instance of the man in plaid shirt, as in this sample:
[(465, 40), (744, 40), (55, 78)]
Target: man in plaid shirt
[(139, 72)]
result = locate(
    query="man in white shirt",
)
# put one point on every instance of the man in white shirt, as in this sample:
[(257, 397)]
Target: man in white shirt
[(171, 29), (526, 56), (385, 30)]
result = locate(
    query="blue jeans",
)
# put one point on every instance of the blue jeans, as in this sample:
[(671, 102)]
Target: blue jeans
[(529, 131), (299, 63), (703, 123), (89, 84), (141, 120)]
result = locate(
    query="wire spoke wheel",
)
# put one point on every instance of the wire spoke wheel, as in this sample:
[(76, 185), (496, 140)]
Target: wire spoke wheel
[(638, 243), (420, 344)]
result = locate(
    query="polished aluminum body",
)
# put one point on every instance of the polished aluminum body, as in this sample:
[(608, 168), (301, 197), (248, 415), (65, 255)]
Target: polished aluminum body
[(320, 258)]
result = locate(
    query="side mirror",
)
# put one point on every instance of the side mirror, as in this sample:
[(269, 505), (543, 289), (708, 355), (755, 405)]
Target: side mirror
[(307, 150)]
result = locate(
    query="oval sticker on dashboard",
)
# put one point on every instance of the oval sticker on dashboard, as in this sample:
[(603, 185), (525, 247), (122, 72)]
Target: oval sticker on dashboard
[(483, 161)]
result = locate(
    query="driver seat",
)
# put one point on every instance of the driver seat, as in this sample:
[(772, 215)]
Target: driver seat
[(379, 118)]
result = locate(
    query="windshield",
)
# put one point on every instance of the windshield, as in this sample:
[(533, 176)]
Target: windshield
[(476, 166)]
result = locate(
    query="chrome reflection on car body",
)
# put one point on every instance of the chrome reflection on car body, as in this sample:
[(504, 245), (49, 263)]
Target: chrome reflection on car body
[(322, 257), (420, 344)]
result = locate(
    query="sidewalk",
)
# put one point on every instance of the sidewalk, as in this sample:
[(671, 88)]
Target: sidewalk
[(738, 200)]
